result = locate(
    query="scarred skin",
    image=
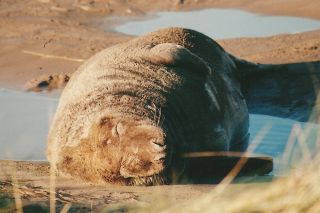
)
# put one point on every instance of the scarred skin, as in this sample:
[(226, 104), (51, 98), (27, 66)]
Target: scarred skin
[(131, 111)]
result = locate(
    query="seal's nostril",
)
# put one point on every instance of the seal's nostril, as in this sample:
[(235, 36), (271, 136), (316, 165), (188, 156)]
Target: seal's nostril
[(158, 143), (157, 147), (160, 157)]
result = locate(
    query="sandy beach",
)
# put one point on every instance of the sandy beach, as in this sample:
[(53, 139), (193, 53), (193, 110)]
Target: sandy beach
[(72, 31), (47, 40)]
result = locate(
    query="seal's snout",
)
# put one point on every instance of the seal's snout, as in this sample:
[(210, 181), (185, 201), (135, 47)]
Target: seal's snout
[(130, 148), (144, 151)]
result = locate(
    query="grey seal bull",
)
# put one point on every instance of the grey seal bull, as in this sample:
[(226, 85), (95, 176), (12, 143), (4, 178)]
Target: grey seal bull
[(131, 111)]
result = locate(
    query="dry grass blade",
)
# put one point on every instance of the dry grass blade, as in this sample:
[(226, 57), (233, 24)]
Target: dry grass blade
[(302, 142), (16, 194), (289, 146), (298, 192), (66, 208), (216, 154), (52, 56), (52, 188), (318, 139), (297, 132), (206, 200), (236, 169)]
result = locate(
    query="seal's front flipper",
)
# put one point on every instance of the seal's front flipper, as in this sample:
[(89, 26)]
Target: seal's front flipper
[(286, 90), (212, 167)]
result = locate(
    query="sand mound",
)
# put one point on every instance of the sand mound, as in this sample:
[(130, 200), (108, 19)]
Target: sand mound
[(47, 82)]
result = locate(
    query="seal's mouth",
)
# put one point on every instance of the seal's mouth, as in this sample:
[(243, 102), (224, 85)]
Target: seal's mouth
[(153, 180), (143, 159)]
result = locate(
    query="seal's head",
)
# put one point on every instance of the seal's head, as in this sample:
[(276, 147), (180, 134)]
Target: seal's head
[(118, 150)]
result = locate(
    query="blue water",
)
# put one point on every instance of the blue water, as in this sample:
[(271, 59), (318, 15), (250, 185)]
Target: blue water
[(221, 23), (277, 137), (24, 124)]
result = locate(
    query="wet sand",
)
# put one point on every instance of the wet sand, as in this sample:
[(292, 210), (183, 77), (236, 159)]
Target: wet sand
[(44, 37)]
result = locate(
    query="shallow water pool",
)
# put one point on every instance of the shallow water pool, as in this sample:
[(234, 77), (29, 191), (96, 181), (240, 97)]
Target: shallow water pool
[(221, 23), (24, 124)]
